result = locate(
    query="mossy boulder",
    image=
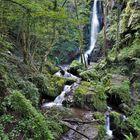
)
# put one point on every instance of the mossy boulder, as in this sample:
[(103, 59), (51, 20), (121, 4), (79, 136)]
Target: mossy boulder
[(115, 120), (48, 85), (70, 80), (119, 93), (88, 75), (100, 117), (50, 67), (75, 67), (89, 96)]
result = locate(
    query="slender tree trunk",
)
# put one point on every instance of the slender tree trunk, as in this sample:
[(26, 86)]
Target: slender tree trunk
[(83, 61), (118, 28), (105, 27), (24, 47)]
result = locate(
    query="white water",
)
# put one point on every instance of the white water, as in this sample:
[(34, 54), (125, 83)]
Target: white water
[(59, 99), (66, 75), (107, 122), (94, 29), (107, 125)]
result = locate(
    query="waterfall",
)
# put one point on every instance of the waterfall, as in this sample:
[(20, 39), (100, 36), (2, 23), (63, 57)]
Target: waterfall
[(94, 29)]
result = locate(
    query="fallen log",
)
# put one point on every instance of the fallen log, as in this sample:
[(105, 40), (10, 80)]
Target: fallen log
[(70, 127), (78, 121)]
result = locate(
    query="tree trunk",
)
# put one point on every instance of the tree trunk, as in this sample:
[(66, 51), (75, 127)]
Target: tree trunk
[(105, 37), (24, 47)]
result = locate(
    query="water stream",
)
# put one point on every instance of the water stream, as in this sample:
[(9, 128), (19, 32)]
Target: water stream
[(67, 88)]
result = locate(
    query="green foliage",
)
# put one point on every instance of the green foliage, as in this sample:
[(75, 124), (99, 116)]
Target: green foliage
[(100, 117), (37, 122), (101, 133), (48, 85), (50, 67), (88, 75), (76, 67), (87, 95), (131, 51), (115, 119), (3, 136), (121, 92), (30, 91)]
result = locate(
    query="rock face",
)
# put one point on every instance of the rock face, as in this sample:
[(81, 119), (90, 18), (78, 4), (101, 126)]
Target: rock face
[(90, 130)]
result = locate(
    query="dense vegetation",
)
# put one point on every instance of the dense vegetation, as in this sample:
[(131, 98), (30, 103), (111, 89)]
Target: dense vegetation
[(36, 36)]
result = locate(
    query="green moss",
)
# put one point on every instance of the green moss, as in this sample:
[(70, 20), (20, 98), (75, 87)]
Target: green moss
[(132, 125), (120, 92), (100, 117), (115, 119), (70, 80), (93, 97), (101, 133), (88, 75), (30, 91), (76, 66), (130, 51), (50, 67), (38, 125), (48, 85)]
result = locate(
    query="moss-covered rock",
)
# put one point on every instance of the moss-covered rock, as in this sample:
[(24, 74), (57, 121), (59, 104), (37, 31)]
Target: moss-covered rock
[(115, 120), (70, 80), (50, 67), (100, 117), (48, 85), (120, 93), (88, 75), (75, 67), (89, 96)]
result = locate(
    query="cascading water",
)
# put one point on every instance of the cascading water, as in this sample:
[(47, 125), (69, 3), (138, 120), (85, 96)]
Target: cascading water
[(107, 122), (94, 29), (67, 88), (59, 99)]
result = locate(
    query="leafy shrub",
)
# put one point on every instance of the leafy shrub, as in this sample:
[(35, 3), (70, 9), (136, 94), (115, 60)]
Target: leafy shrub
[(37, 125), (30, 91), (48, 85), (120, 93)]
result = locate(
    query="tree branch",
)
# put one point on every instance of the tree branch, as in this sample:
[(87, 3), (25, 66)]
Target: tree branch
[(19, 4)]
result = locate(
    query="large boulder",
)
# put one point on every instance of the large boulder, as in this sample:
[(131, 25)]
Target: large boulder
[(49, 86), (90, 97), (76, 67)]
